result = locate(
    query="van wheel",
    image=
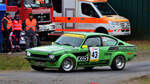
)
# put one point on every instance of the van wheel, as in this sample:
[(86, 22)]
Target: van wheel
[(101, 30), (37, 68), (118, 63), (67, 65)]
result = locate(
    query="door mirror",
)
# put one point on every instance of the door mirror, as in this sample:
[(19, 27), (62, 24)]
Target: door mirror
[(84, 46)]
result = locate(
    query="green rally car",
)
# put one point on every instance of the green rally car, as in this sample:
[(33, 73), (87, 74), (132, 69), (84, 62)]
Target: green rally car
[(80, 49)]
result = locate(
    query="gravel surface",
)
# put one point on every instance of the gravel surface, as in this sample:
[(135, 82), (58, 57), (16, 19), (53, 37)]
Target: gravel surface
[(100, 75)]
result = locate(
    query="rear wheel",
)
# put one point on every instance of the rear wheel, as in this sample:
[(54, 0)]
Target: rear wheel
[(118, 63), (37, 68), (67, 65)]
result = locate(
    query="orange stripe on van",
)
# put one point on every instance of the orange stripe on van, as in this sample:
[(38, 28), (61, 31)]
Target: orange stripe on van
[(80, 20), (76, 30), (95, 0), (80, 30)]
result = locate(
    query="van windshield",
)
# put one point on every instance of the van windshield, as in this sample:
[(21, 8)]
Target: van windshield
[(37, 3), (105, 8)]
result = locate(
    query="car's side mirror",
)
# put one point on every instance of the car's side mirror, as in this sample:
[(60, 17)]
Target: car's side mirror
[(84, 46)]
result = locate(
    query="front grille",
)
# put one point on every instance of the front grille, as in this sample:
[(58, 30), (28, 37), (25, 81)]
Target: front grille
[(42, 17), (125, 30), (39, 56), (125, 25)]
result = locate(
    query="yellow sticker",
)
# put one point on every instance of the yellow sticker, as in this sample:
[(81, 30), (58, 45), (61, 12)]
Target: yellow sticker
[(75, 35), (94, 54)]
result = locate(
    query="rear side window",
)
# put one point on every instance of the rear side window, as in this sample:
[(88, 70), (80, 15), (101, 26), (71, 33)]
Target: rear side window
[(93, 42), (88, 10), (107, 41)]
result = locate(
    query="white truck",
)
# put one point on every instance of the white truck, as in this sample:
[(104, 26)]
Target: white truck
[(89, 16)]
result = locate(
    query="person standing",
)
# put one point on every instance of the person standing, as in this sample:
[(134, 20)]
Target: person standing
[(6, 30), (31, 27), (16, 29)]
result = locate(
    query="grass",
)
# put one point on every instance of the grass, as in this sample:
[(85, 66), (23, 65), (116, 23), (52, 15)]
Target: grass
[(139, 80), (13, 62), (141, 45)]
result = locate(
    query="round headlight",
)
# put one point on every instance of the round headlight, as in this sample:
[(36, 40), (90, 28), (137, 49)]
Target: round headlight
[(28, 54), (51, 56)]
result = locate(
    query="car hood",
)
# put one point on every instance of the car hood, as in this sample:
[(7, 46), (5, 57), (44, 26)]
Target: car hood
[(50, 49), (115, 18)]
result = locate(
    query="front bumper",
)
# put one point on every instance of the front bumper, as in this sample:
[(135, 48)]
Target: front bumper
[(42, 62), (47, 27), (121, 32)]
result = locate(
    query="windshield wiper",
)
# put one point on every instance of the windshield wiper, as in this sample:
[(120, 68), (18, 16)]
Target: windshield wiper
[(58, 43), (63, 44)]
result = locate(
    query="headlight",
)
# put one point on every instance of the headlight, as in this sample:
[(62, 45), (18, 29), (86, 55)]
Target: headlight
[(28, 54), (115, 24), (51, 56)]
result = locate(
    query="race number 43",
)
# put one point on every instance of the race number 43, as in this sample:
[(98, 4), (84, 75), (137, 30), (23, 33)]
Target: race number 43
[(94, 54)]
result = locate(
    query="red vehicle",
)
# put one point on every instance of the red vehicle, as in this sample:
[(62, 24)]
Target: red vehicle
[(42, 11)]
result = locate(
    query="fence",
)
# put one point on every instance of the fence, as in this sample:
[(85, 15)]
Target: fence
[(138, 12)]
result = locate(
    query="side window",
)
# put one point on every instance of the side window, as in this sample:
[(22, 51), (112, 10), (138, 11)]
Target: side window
[(88, 10), (107, 41), (14, 3), (57, 5), (93, 42)]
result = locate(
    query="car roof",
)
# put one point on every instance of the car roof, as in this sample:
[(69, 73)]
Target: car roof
[(88, 33)]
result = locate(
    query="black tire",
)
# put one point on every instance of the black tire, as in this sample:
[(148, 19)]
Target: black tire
[(37, 68), (118, 63), (101, 30), (88, 68), (67, 65)]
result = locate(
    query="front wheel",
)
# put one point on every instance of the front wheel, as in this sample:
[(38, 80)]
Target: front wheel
[(118, 63), (67, 65)]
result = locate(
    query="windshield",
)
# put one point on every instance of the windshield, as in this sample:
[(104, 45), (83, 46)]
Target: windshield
[(105, 8), (37, 3), (69, 41)]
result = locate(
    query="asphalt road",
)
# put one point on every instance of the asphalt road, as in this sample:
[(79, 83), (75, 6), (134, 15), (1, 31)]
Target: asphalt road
[(100, 75)]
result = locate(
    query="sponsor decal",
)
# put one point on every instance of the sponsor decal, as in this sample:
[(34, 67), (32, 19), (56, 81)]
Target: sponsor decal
[(124, 48), (127, 48), (94, 54), (82, 58)]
